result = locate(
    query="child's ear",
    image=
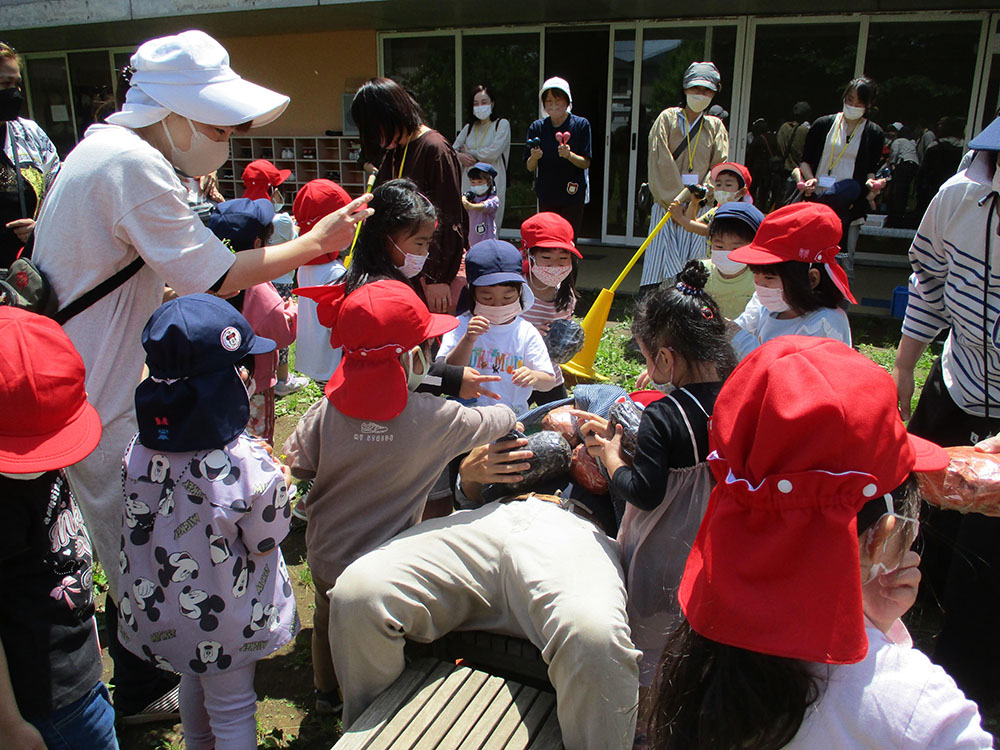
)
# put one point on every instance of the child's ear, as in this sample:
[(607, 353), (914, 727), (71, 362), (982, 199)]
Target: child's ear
[(258, 242), (814, 278)]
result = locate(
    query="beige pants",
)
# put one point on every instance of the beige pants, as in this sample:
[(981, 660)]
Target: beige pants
[(527, 569), (324, 677)]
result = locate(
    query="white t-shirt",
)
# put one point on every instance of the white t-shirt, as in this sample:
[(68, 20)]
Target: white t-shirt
[(760, 326), (500, 351), (894, 698)]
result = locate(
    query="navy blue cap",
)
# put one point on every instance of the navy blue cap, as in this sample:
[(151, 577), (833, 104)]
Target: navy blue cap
[(748, 213), (493, 262), (241, 221), (196, 334), (989, 139), (194, 398), (484, 167)]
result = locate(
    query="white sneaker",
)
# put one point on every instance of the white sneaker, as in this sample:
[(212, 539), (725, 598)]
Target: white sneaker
[(293, 384)]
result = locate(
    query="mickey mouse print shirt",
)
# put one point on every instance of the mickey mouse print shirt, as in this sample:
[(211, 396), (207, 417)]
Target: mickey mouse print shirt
[(203, 584)]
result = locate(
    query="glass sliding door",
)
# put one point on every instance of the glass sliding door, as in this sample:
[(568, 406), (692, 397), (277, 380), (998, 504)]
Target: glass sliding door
[(425, 65), (622, 140), (51, 103)]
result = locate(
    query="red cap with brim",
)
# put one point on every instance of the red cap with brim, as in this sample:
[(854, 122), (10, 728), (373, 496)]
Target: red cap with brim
[(259, 176), (803, 232), (46, 422), (775, 566), (547, 229), (374, 325)]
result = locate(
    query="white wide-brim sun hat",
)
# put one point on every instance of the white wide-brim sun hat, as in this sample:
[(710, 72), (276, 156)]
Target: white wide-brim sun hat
[(189, 73)]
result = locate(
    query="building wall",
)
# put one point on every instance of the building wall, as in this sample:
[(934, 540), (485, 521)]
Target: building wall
[(313, 69)]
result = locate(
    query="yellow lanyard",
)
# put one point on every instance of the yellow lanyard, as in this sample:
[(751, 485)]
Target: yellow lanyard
[(485, 131), (847, 142), (701, 124), (403, 161)]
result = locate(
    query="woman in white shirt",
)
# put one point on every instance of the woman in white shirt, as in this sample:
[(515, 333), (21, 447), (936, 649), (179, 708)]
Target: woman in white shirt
[(485, 137)]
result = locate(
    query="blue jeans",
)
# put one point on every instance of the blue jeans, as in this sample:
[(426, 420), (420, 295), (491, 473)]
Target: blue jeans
[(87, 723)]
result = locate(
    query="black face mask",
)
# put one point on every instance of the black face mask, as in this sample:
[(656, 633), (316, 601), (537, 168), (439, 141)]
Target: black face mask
[(11, 100)]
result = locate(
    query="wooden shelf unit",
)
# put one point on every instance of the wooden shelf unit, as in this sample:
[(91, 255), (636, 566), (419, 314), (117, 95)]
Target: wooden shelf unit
[(330, 157)]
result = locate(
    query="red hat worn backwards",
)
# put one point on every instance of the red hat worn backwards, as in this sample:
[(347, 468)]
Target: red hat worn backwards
[(547, 229), (260, 175), (731, 166), (316, 199), (45, 420), (804, 432), (804, 232), (375, 325)]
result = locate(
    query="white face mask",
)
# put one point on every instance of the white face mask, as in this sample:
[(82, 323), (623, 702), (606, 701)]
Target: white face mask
[(698, 102), (721, 260), (482, 111), (853, 113), (499, 315), (415, 379), (412, 264), (550, 275), (772, 299), (724, 196), (662, 387), (480, 189), (203, 156)]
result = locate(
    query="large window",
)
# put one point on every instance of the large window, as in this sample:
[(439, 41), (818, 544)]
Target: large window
[(425, 65)]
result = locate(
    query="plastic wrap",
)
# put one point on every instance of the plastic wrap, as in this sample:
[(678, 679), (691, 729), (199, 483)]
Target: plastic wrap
[(564, 340), (970, 484), (562, 421), (552, 457), (626, 413), (587, 472)]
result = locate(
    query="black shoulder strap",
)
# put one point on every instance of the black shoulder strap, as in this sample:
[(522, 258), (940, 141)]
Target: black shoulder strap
[(100, 291), (676, 154)]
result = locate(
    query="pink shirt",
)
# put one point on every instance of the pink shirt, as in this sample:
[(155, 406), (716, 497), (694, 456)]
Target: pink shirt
[(273, 318)]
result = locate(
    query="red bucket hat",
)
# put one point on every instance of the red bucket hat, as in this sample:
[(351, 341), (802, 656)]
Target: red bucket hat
[(804, 433), (805, 232), (316, 199), (259, 176), (45, 420), (547, 229), (375, 325)]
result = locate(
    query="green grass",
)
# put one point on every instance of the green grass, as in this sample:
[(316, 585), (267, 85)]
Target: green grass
[(613, 360)]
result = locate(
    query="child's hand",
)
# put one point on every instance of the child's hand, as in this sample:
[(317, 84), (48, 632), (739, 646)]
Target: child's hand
[(642, 382), (524, 377), (677, 212), (477, 327), (989, 445), (888, 597), (467, 204), (591, 424), (607, 449), (810, 186), (472, 384)]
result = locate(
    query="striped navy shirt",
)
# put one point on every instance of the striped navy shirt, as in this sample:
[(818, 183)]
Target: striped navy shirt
[(947, 287)]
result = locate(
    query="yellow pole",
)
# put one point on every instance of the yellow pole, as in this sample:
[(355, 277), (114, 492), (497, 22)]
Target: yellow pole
[(582, 365), (357, 229)]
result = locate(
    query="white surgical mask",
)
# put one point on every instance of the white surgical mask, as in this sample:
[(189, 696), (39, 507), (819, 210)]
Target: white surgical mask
[(853, 113), (698, 102), (480, 189), (550, 275), (721, 260), (499, 315), (482, 111), (415, 379), (772, 299), (203, 156), (724, 196), (666, 387), (412, 264)]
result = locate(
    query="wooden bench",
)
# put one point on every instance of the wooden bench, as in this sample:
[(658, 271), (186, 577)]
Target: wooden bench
[(438, 704)]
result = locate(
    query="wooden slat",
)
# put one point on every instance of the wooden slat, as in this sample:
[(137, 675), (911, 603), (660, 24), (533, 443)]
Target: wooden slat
[(471, 713), (511, 719), (450, 711), (492, 715), (531, 722), (398, 723), (413, 735), (385, 706), (550, 737)]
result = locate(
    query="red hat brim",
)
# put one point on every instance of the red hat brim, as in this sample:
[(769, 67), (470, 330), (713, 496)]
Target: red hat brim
[(439, 324), (755, 255), (74, 441), (558, 245), (927, 456)]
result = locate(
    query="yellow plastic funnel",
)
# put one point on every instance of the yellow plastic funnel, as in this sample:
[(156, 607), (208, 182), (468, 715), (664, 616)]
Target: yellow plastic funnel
[(582, 365)]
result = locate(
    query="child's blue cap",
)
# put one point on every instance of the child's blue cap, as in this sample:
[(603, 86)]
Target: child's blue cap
[(493, 262), (987, 140), (241, 221), (483, 167), (748, 213)]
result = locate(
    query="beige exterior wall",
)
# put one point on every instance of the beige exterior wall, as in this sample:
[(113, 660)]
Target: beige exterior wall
[(315, 70)]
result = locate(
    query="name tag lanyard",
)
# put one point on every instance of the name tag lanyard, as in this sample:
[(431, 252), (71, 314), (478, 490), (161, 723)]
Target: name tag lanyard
[(687, 135), (402, 161), (847, 142)]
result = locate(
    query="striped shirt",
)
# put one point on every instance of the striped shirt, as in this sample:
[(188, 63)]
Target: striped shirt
[(948, 283), (540, 314)]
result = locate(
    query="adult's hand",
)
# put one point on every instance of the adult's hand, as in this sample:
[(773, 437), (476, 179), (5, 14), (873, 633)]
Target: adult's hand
[(20, 734), (438, 297), (810, 187), (564, 151), (335, 231), (903, 378), (989, 445), (466, 158), (22, 228)]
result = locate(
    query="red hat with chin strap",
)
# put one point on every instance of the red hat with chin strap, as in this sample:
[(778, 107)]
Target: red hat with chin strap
[(804, 232), (374, 325), (804, 433), (259, 176)]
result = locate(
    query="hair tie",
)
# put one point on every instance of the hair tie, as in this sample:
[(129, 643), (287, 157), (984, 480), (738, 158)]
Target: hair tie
[(688, 290), (706, 312)]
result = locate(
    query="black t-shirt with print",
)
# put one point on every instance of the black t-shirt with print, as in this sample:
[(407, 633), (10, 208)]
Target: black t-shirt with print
[(10, 204), (47, 606)]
